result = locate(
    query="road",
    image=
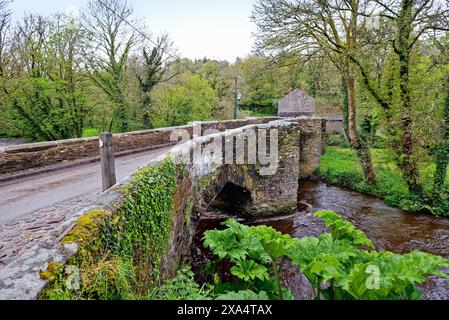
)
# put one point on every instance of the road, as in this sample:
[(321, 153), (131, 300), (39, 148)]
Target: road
[(24, 196)]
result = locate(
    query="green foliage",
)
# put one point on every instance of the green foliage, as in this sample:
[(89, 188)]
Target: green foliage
[(339, 166), (344, 230), (121, 254), (336, 140), (260, 113), (442, 152), (44, 97), (141, 230), (90, 132), (273, 242), (264, 81), (249, 270), (253, 251), (243, 295), (182, 287), (37, 111), (337, 264), (192, 99), (261, 86), (397, 275)]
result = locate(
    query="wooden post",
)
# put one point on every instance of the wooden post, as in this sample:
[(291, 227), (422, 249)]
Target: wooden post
[(107, 160)]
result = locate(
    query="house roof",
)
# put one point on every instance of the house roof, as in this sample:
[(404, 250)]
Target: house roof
[(296, 101)]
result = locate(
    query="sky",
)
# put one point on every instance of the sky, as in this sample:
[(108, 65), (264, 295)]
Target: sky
[(217, 29)]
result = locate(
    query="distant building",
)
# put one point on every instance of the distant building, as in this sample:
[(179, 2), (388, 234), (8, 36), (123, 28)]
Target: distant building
[(296, 104), (334, 124)]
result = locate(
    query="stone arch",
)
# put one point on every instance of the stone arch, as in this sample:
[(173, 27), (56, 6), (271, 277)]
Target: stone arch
[(232, 199), (229, 189)]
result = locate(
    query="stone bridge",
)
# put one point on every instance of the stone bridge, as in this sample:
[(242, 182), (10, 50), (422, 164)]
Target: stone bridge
[(250, 170), (259, 173)]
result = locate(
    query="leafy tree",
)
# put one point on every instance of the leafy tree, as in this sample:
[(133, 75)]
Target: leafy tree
[(329, 28), (66, 46), (46, 100), (5, 42), (262, 84), (442, 148), (409, 22), (190, 99), (112, 40), (39, 110), (154, 69)]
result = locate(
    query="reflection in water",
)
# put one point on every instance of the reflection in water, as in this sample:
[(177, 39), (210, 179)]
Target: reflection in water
[(388, 228)]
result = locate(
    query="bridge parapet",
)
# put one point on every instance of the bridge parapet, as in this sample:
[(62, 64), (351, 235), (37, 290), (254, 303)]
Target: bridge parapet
[(17, 158), (246, 183)]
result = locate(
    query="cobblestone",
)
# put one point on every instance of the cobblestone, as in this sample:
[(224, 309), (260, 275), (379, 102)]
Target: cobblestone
[(21, 234)]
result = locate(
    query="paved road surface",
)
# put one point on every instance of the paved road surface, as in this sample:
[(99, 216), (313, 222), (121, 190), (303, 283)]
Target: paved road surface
[(24, 196)]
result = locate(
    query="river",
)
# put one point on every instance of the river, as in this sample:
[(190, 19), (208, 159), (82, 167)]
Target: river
[(388, 228)]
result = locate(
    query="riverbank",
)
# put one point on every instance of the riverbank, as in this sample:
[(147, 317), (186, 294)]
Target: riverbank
[(339, 166), (388, 228)]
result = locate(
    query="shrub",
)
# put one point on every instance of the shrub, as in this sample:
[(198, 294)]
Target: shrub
[(341, 264), (336, 140)]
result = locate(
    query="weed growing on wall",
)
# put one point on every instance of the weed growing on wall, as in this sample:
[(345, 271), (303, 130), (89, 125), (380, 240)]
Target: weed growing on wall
[(121, 255), (141, 230)]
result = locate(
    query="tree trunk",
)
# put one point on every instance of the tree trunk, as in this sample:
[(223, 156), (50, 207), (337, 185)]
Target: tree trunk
[(365, 159), (344, 107), (121, 112), (442, 154), (442, 161), (356, 142), (406, 162)]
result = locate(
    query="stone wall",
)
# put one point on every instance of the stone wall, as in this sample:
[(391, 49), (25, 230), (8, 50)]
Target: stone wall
[(334, 125), (312, 144), (268, 191), (196, 188), (35, 155)]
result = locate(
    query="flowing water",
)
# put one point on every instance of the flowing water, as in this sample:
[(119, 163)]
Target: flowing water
[(388, 228)]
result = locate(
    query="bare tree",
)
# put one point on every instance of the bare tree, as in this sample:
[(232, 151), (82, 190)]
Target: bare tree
[(5, 36), (107, 22), (65, 51), (30, 35)]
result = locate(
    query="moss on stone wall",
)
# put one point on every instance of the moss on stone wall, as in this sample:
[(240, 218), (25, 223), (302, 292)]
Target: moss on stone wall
[(54, 270), (120, 255), (87, 227)]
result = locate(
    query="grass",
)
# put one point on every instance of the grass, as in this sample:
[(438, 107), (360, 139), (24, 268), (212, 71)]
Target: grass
[(339, 166), (259, 114), (90, 132)]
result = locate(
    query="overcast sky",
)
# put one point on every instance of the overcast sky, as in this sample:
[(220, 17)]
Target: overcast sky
[(218, 29)]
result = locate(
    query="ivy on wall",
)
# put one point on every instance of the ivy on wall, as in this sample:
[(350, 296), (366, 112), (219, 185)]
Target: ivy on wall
[(120, 257)]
